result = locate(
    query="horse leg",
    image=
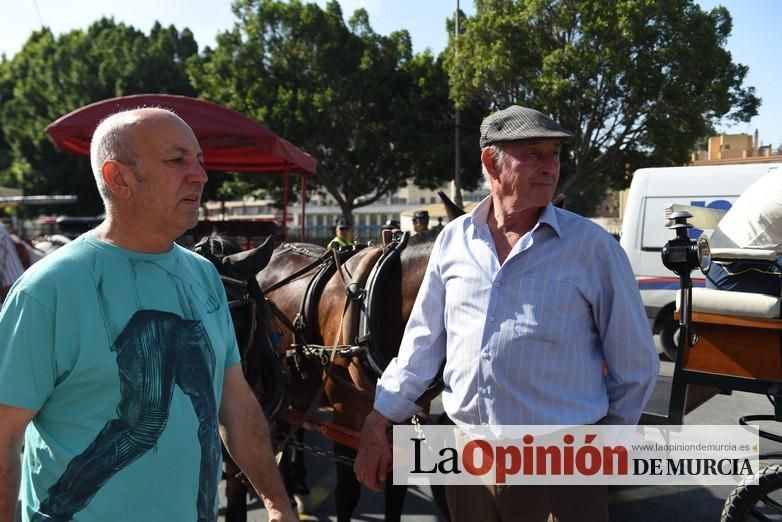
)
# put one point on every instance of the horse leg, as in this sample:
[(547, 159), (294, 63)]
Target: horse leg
[(348, 488), (394, 497), (438, 492), (235, 493)]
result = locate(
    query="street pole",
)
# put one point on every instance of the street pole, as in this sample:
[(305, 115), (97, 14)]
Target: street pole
[(457, 155)]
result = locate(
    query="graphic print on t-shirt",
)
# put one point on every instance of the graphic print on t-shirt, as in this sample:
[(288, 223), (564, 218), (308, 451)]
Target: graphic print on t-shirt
[(156, 351)]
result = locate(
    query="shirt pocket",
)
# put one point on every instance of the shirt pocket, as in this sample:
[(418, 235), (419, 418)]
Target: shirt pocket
[(547, 311)]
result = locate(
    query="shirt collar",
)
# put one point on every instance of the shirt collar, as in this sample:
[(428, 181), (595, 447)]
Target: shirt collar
[(480, 216)]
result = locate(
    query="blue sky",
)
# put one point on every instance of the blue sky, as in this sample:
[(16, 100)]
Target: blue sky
[(755, 29)]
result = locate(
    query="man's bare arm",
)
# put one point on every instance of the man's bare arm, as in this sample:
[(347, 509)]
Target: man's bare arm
[(15, 420), (245, 434)]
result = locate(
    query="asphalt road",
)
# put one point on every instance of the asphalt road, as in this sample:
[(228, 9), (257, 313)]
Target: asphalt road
[(628, 503)]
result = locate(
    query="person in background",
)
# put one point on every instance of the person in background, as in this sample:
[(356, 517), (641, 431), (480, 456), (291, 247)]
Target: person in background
[(10, 265), (753, 222), (420, 221), (343, 235), (119, 366), (534, 312)]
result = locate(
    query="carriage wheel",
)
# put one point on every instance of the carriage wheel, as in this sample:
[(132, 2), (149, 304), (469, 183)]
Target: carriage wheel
[(761, 501)]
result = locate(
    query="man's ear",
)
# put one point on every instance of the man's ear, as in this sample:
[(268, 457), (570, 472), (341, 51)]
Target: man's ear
[(487, 158), (116, 175)]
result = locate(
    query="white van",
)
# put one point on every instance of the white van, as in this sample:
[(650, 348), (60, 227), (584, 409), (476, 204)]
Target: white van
[(644, 233)]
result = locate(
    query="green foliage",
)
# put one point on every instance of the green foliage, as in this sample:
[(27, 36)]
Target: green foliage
[(52, 76), (371, 112), (639, 81)]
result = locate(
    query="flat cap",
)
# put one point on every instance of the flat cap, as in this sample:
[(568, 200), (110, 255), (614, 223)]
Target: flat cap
[(518, 123), (421, 214), (343, 223)]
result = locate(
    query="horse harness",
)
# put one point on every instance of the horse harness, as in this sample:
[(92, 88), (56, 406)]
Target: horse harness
[(360, 293)]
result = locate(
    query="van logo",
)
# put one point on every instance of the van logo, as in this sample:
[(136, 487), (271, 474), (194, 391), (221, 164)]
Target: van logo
[(719, 204)]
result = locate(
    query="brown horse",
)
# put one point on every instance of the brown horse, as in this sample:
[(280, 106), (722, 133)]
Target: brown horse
[(321, 299), (343, 312)]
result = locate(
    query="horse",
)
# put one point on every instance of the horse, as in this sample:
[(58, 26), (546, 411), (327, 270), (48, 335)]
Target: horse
[(29, 253), (45, 245), (250, 316), (316, 296), (303, 319)]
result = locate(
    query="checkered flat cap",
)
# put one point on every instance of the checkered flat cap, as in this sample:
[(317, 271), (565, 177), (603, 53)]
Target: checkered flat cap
[(518, 123)]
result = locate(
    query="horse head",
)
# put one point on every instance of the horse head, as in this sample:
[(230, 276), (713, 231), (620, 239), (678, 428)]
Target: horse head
[(250, 313)]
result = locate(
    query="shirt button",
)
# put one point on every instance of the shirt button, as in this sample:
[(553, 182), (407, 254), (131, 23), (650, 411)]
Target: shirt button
[(496, 284), (491, 318), (485, 390), (485, 354)]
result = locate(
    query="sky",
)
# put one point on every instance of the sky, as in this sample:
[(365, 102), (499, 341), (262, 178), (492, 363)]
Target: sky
[(755, 29)]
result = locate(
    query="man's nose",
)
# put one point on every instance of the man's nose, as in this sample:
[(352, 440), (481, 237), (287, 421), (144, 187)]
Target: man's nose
[(197, 174)]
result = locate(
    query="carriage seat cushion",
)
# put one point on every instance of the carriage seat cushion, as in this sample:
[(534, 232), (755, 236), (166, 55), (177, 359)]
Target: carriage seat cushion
[(729, 302)]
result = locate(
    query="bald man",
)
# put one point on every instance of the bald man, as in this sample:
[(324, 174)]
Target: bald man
[(121, 362)]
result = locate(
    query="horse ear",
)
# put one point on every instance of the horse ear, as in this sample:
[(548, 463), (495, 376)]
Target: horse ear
[(250, 262), (451, 209)]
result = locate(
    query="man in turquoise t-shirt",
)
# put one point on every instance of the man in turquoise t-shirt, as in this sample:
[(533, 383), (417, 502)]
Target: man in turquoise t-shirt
[(119, 361)]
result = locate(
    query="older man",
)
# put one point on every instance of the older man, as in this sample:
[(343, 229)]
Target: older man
[(527, 305), (119, 357)]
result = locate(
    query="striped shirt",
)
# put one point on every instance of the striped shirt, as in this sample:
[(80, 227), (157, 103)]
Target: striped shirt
[(526, 342), (10, 266)]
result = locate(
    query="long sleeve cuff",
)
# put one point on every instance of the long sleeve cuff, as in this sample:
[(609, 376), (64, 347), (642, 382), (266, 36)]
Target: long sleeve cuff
[(393, 406)]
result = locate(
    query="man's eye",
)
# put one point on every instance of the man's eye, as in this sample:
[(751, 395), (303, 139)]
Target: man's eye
[(176, 161)]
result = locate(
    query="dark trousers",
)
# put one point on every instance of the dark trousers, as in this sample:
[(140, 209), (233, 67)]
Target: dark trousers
[(760, 277), (527, 503)]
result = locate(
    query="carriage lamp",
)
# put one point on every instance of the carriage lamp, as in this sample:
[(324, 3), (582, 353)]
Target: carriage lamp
[(681, 255)]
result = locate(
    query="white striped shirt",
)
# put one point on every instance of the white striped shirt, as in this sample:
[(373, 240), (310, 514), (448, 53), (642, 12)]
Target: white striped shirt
[(10, 266), (525, 342)]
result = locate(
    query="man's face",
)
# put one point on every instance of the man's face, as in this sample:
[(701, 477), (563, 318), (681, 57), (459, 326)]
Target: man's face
[(529, 172), (345, 233), (170, 175), (419, 224)]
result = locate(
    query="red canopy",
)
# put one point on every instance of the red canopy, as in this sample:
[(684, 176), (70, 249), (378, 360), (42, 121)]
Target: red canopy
[(230, 140)]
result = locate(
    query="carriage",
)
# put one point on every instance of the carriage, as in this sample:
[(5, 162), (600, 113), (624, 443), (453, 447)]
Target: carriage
[(730, 341)]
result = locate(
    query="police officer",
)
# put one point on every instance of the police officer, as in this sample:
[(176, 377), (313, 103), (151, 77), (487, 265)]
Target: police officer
[(343, 238), (420, 221)]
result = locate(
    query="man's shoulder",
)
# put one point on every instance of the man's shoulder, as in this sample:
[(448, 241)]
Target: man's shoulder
[(573, 223), (64, 271), (68, 260), (195, 262)]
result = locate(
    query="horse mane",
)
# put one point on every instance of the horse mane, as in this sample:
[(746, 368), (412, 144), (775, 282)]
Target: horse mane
[(215, 246), (421, 243)]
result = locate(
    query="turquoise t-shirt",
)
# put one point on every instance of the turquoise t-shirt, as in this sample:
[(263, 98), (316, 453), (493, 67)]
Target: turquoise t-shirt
[(122, 354)]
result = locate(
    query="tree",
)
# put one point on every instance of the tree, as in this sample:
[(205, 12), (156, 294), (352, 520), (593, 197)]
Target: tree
[(638, 81), (54, 76), (371, 112)]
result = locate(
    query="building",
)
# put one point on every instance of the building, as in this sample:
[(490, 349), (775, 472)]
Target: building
[(322, 212), (734, 148)]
